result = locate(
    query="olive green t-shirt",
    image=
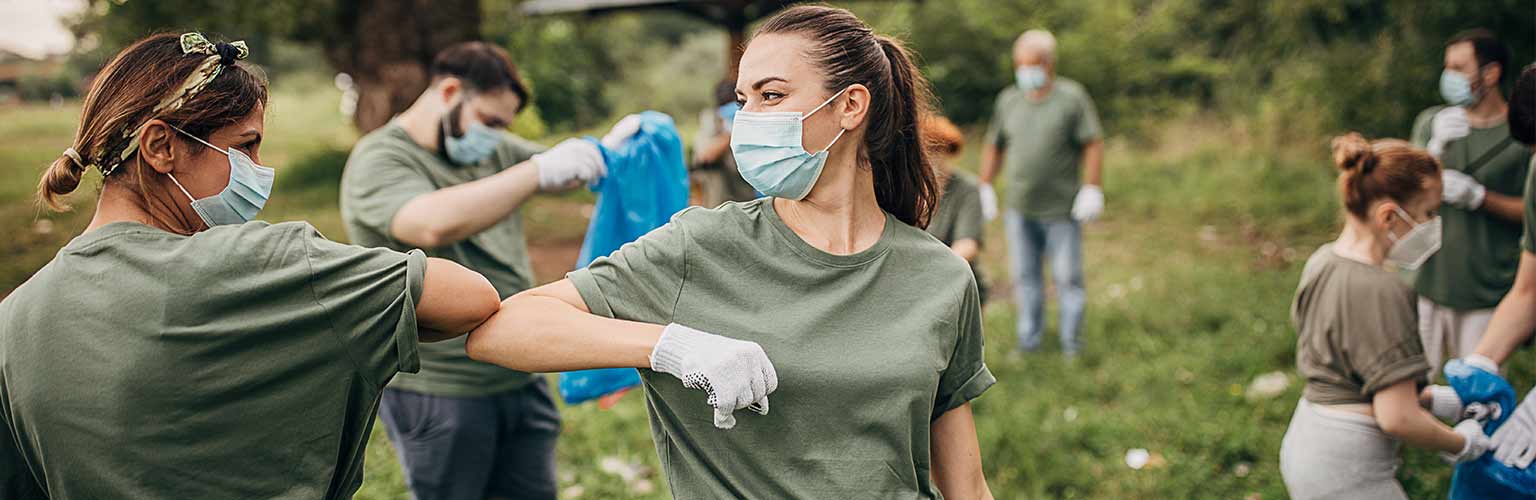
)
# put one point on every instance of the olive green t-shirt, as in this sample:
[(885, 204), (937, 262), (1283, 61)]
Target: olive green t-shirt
[(241, 362), (869, 348), (1357, 330), (1042, 145), (1479, 252), (959, 214), (387, 169)]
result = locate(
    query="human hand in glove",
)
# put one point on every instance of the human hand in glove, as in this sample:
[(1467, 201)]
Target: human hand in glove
[(735, 373), (1476, 443), (1089, 203), (1516, 439), (1461, 190), (988, 201), (1448, 125), (1444, 403), (569, 164), (625, 128)]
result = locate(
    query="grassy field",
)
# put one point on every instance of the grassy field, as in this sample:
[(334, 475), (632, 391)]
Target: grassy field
[(1190, 276)]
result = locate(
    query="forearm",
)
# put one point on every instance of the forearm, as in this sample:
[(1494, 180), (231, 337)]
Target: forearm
[(451, 214), (1503, 206), (1399, 414), (535, 333), (991, 162), (1515, 318), (1422, 430), (967, 249), (1093, 163), (956, 456)]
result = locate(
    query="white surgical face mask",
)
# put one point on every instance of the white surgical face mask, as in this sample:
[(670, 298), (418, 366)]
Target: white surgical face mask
[(1411, 250), (770, 154), (246, 193), (1030, 77)]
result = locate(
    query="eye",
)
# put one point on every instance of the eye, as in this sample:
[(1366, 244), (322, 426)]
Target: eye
[(771, 95)]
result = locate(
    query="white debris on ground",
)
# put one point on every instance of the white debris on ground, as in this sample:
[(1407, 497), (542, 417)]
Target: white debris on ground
[(1268, 386)]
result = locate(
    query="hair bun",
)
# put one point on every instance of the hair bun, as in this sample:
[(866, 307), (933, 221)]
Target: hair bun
[(228, 53), (1352, 153)]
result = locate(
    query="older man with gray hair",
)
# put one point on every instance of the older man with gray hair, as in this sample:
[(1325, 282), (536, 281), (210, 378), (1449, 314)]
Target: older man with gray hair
[(1045, 137)]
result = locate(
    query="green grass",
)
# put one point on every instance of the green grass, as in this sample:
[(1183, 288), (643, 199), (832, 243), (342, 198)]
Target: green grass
[(1190, 277)]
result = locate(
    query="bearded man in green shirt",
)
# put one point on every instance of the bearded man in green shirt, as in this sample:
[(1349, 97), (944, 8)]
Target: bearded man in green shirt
[(445, 176), (1484, 174)]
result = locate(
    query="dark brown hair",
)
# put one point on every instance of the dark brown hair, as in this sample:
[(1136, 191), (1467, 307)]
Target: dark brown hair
[(849, 52), (482, 67), (1522, 107), (1486, 48), (1386, 169), (124, 95)]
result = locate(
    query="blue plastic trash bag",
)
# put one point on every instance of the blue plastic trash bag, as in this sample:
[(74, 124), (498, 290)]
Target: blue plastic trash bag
[(1486, 477), (647, 183)]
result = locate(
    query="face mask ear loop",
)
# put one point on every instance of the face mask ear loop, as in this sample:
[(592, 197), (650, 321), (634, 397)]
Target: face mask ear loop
[(834, 140), (823, 104), (178, 186), (198, 139)]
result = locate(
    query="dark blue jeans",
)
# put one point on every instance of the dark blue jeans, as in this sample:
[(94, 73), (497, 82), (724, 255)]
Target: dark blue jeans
[(498, 446)]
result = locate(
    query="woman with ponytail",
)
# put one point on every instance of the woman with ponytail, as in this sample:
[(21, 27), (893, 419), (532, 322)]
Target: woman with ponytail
[(873, 327), (1358, 346)]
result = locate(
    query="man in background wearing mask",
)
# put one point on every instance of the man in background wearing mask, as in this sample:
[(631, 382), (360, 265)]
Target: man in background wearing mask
[(1045, 137), (445, 176), (1484, 173)]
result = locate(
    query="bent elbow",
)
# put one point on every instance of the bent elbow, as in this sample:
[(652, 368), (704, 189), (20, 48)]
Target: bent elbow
[(488, 342), (1392, 423)]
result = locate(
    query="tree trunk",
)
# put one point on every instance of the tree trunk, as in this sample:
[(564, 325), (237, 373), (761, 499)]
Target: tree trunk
[(388, 45)]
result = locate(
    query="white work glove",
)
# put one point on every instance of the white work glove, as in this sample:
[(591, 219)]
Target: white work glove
[(1461, 190), (1448, 125), (1089, 203), (1516, 439), (988, 201), (1476, 443), (735, 373), (626, 127), (1444, 403), (569, 161)]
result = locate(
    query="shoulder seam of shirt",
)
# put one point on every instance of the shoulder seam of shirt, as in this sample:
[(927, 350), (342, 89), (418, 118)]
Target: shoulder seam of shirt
[(329, 320)]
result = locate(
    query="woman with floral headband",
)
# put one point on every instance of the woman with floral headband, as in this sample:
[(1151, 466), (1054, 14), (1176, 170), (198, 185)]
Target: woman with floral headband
[(180, 349)]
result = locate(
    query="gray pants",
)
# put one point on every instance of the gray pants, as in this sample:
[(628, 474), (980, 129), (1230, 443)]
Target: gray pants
[(1335, 454), (498, 446)]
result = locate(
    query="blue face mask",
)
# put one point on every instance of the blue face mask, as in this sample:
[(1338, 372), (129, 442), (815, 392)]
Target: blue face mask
[(1030, 77), (249, 187), (769, 153), (478, 143), (1456, 89)]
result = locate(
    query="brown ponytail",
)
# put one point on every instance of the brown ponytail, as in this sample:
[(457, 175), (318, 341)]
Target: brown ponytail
[(123, 96), (848, 51), (1389, 169)]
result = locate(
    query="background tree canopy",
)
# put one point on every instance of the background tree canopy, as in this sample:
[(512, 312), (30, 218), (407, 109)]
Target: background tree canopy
[(1297, 67)]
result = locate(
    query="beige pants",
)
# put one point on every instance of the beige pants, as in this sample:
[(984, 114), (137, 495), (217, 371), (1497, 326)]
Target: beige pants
[(1449, 333), (1330, 454)]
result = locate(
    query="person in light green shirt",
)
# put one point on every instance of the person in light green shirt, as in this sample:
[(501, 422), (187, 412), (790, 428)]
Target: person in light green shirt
[(177, 349), (1485, 171), (873, 326), (446, 177), (1045, 139)]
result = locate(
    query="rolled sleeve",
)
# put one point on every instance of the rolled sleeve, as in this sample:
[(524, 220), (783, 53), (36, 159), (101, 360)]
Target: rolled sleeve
[(1088, 127), (967, 376)]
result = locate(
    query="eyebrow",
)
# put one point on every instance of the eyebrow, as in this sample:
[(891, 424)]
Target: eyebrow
[(760, 83), (251, 133)]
